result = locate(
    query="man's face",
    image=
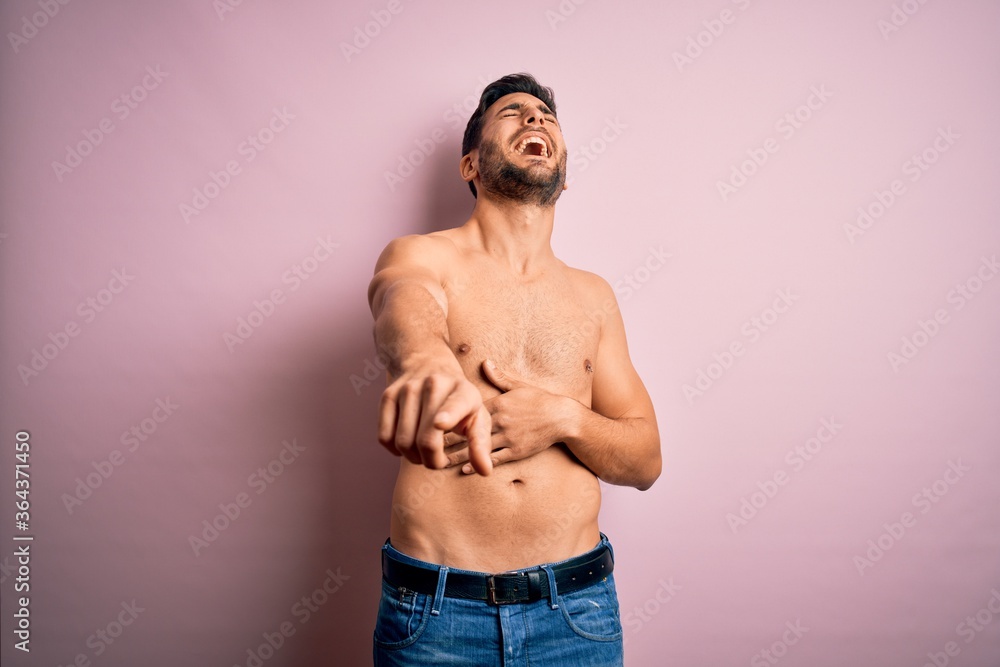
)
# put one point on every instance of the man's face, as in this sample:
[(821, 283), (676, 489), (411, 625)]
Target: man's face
[(522, 155)]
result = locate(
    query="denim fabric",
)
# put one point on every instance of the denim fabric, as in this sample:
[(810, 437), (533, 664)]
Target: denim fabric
[(580, 628)]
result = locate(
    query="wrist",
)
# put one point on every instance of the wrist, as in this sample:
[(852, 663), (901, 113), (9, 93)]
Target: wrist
[(570, 420), (430, 362)]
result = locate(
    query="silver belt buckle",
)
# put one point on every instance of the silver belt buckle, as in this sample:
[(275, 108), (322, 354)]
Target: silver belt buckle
[(491, 590)]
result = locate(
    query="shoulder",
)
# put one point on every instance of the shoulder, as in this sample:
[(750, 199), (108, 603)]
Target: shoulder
[(416, 250), (591, 286), (597, 297)]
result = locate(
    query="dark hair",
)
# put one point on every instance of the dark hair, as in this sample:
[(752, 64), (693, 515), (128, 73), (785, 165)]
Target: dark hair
[(512, 83)]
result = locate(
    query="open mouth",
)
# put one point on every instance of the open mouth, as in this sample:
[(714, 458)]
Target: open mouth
[(533, 145)]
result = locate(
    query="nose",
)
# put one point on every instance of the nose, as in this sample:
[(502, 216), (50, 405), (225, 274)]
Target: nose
[(535, 117)]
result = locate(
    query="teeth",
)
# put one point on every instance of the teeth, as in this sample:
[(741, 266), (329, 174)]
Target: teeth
[(533, 140)]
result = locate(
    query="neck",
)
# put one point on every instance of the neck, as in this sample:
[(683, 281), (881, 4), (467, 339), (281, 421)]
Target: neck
[(518, 235)]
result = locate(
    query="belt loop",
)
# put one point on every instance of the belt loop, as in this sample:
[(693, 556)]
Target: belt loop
[(439, 593), (552, 586)]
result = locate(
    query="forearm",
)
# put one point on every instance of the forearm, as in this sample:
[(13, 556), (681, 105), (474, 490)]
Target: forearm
[(624, 451), (411, 331)]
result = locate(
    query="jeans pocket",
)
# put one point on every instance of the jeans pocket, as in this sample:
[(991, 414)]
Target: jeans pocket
[(402, 616), (593, 612)]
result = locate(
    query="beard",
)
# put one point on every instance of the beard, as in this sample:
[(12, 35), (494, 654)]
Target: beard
[(536, 185)]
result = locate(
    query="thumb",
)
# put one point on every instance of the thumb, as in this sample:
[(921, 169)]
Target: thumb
[(498, 378)]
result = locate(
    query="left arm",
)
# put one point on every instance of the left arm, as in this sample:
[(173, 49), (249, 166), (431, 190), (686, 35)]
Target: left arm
[(617, 437)]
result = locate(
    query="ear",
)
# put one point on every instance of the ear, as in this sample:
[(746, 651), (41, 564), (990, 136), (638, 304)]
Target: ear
[(467, 166)]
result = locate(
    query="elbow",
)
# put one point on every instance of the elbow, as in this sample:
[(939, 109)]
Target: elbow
[(650, 472), (646, 486), (646, 482)]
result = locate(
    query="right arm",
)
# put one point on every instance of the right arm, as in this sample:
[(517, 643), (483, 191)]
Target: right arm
[(428, 394)]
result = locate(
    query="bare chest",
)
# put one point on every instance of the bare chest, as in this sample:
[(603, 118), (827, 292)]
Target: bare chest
[(539, 330)]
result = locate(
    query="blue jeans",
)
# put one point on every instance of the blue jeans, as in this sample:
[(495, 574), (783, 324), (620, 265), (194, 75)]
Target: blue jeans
[(579, 628)]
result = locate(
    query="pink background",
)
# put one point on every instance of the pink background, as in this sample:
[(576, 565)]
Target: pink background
[(650, 138)]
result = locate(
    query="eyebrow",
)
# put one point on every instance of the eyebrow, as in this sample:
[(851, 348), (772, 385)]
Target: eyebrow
[(517, 106)]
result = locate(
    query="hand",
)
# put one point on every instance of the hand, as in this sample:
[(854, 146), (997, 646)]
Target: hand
[(420, 406), (525, 420)]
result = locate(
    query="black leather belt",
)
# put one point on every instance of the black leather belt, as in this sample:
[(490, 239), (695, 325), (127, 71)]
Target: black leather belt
[(504, 588)]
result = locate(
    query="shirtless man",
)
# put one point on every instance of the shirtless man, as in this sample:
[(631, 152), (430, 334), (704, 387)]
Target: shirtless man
[(510, 393)]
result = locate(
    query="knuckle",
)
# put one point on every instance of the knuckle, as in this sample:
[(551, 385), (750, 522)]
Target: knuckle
[(426, 442), (435, 379)]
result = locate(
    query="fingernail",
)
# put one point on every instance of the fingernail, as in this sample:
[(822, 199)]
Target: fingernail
[(467, 469), (443, 416), (490, 364)]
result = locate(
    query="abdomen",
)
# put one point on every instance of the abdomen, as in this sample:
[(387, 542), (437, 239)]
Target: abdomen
[(537, 510)]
